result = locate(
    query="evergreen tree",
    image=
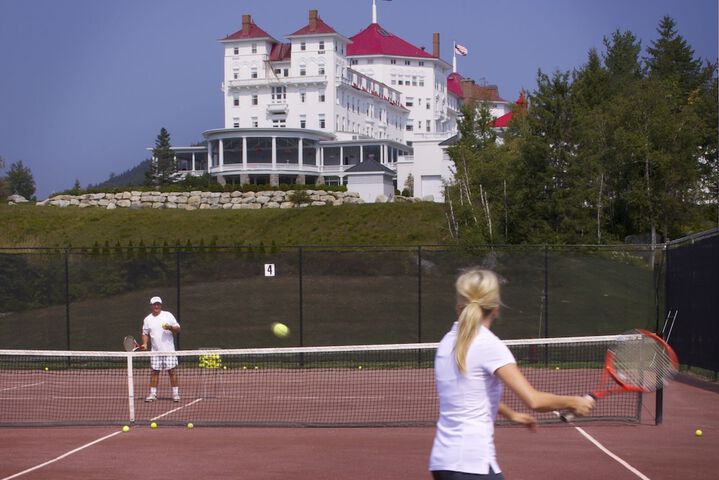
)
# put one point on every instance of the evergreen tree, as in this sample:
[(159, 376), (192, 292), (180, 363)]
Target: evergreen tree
[(672, 59), (20, 180), (163, 165)]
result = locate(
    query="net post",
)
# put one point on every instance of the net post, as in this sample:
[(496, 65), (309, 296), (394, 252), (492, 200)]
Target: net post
[(130, 388), (67, 298)]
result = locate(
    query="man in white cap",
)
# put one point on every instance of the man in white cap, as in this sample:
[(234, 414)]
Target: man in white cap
[(160, 327)]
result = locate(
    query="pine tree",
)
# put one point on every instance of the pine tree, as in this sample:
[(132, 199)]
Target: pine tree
[(163, 165), (20, 180)]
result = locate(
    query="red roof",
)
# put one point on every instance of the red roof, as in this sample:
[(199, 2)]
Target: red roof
[(503, 121), (321, 27), (454, 84), (280, 52), (254, 32), (375, 40)]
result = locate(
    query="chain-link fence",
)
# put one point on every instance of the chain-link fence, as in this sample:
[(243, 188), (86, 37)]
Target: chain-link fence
[(89, 299)]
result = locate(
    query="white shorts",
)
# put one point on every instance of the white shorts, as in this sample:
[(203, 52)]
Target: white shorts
[(164, 362)]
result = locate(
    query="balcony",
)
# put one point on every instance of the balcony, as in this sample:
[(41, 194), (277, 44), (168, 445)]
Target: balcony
[(277, 108), (261, 82)]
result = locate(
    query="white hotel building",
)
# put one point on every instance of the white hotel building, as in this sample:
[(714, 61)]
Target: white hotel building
[(366, 111)]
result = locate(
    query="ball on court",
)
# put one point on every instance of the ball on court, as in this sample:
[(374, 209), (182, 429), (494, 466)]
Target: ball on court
[(125, 428), (190, 425), (698, 432), (556, 368), (153, 425), (46, 369), (360, 367), (280, 330)]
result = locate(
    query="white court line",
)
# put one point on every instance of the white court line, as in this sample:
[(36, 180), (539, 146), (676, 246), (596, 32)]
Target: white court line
[(174, 410), (611, 455), (21, 386), (61, 456), (36, 467)]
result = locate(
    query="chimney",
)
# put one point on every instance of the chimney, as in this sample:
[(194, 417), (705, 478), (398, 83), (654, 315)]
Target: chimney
[(246, 21), (435, 45), (313, 20)]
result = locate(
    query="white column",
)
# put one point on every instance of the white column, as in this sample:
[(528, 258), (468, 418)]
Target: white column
[(274, 153), (222, 154), (300, 154), (361, 159), (244, 153), (193, 161), (209, 155)]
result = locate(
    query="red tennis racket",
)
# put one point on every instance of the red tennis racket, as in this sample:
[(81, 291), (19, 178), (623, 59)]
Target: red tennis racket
[(638, 361), (130, 344)]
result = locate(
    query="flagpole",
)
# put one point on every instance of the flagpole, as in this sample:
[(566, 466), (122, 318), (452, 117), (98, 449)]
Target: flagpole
[(454, 57)]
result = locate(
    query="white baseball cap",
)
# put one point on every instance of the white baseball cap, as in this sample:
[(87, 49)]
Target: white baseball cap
[(154, 300)]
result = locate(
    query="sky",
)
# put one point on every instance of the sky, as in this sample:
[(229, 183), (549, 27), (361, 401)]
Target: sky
[(86, 85)]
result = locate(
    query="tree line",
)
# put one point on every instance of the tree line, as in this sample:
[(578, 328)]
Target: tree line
[(622, 145)]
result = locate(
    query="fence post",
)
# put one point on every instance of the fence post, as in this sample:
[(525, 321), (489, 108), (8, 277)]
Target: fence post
[(419, 294), (177, 285), (302, 327), (67, 298)]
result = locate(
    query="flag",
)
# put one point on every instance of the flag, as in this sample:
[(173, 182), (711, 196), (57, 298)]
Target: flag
[(460, 50)]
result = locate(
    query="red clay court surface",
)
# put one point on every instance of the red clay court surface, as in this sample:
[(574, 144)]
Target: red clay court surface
[(668, 451)]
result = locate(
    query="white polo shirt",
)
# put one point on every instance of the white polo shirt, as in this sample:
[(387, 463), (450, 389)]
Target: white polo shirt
[(162, 340), (468, 403)]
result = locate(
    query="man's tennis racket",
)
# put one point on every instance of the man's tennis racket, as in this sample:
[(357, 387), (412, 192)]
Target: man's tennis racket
[(130, 344), (639, 361)]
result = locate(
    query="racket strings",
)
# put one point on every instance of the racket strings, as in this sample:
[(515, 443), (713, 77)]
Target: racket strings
[(643, 363)]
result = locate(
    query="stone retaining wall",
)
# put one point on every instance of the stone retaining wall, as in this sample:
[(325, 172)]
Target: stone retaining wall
[(200, 200)]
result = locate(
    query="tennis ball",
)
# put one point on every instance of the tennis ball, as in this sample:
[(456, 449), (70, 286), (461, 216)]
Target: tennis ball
[(224, 367), (556, 368), (280, 330), (46, 369), (698, 433), (125, 428), (153, 425), (190, 425), (360, 367)]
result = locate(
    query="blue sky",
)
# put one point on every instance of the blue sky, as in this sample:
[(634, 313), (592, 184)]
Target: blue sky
[(86, 85)]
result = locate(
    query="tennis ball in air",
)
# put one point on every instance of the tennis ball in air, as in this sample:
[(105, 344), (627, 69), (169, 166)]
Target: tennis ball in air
[(698, 432), (280, 330), (153, 425), (556, 368), (190, 425), (125, 428), (360, 367), (46, 369)]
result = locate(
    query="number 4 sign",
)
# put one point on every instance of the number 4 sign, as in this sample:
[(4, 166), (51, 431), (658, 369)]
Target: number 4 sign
[(269, 269)]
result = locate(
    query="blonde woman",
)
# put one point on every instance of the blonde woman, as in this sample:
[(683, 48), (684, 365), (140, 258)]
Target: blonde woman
[(471, 367)]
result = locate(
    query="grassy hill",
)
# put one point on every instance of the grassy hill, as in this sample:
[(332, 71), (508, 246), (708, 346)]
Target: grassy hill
[(369, 224)]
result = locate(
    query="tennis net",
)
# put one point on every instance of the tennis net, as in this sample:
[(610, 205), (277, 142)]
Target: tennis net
[(375, 385)]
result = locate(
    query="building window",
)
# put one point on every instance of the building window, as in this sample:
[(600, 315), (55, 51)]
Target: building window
[(302, 96), (278, 71), (303, 46), (253, 72), (421, 64), (303, 69), (254, 48), (322, 46), (353, 62), (409, 102), (393, 62), (236, 101), (236, 51), (255, 123), (322, 121), (414, 81), (428, 125), (421, 81), (321, 69), (410, 126), (407, 62), (370, 61), (322, 97), (286, 72), (235, 122), (427, 103), (254, 99), (279, 94), (279, 123), (303, 121)]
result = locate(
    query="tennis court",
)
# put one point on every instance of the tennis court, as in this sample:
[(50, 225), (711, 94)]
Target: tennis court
[(325, 412), (640, 450)]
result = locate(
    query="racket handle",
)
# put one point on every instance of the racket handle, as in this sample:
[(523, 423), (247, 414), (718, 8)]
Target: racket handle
[(569, 416)]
